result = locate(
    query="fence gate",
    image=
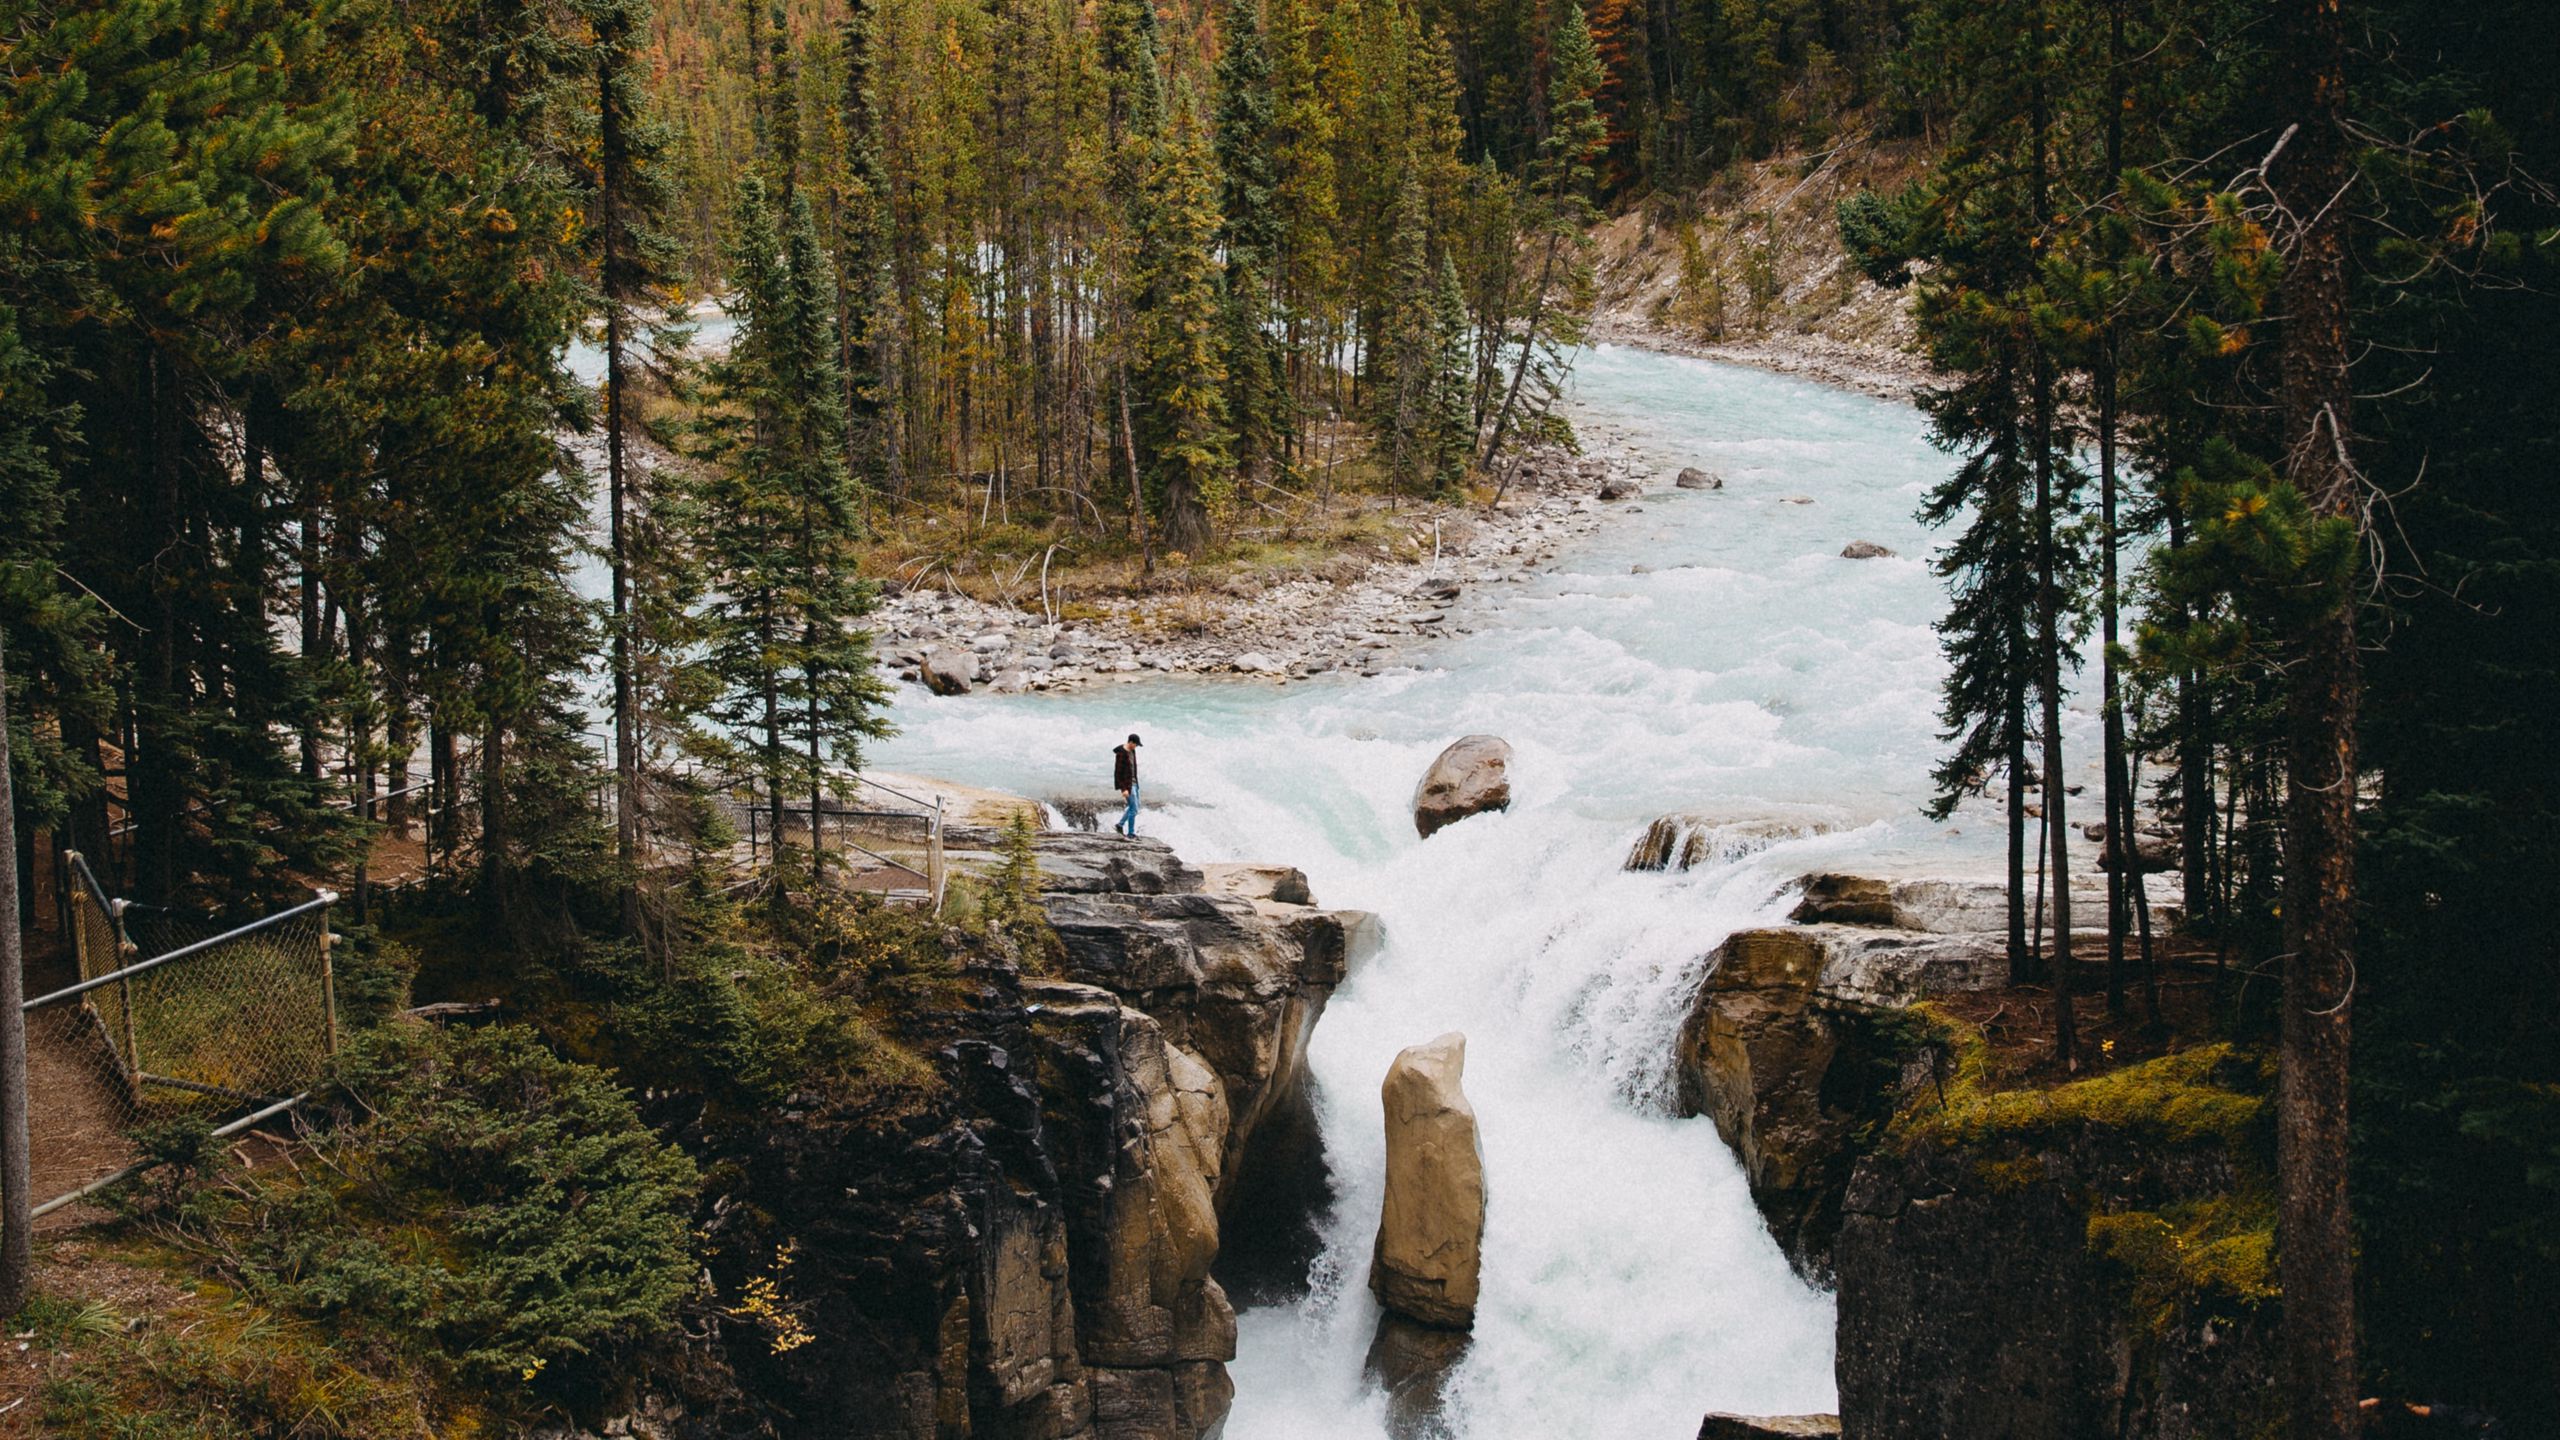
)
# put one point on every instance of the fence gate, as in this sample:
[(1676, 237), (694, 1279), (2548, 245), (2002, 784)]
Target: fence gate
[(170, 1017)]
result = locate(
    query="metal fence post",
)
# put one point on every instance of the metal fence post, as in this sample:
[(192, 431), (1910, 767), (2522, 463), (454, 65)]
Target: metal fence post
[(125, 951), (935, 852), (328, 974)]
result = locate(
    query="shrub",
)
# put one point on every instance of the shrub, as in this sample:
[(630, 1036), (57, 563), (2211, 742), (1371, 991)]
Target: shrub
[(479, 1202)]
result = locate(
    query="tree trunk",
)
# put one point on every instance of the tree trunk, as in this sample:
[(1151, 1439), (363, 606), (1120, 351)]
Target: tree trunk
[(773, 776), (2049, 630), (155, 786), (1528, 347), (493, 819), (17, 1225), (2119, 798), (313, 650), (2314, 1235), (2021, 958), (626, 750)]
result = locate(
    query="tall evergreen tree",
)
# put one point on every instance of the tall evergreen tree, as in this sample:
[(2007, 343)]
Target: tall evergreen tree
[(777, 526), (1180, 377), (1559, 191), (634, 276), (1250, 235)]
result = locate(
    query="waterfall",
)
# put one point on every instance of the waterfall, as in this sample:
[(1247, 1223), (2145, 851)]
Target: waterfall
[(1713, 656)]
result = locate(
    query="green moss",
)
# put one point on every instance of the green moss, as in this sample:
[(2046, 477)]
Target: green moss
[(2216, 1252), (2219, 1252), (2186, 1098)]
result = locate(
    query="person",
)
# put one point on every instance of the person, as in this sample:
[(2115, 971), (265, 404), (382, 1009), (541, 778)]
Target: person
[(1124, 778)]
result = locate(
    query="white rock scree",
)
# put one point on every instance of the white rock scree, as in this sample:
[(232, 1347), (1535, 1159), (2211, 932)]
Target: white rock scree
[(1628, 1286)]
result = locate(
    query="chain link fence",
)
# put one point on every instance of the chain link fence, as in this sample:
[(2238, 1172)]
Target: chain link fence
[(171, 1017)]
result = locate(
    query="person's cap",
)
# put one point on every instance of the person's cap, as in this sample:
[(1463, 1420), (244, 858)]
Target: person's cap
[(1134, 740)]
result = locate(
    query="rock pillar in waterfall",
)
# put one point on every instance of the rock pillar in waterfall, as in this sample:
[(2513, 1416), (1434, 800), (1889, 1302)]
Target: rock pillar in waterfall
[(1430, 1248)]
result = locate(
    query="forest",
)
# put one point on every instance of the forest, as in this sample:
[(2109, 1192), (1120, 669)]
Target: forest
[(2237, 320)]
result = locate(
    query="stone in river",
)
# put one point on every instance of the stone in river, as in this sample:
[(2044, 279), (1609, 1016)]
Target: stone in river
[(1865, 550), (1472, 776), (1693, 478), (948, 671)]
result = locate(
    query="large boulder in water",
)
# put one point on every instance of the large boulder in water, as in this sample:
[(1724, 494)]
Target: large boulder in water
[(1431, 1229), (1693, 478), (1472, 776), (948, 670)]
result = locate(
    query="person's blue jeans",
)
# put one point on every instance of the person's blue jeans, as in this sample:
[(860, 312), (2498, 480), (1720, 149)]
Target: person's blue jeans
[(1129, 818)]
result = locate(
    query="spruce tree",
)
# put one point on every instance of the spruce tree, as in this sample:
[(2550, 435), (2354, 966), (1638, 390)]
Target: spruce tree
[(863, 315), (1250, 234), (1560, 188), (635, 264), (777, 526), (1179, 381), (1449, 414), (1404, 364)]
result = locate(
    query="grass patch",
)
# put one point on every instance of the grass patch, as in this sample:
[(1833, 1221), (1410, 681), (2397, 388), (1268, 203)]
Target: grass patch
[(2208, 1094), (208, 1364)]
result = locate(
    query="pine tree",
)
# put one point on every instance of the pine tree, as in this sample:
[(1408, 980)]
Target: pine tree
[(1250, 235), (776, 525), (1559, 191), (1449, 414), (1404, 369), (863, 302), (1179, 378), (634, 269), (173, 171), (2315, 1234)]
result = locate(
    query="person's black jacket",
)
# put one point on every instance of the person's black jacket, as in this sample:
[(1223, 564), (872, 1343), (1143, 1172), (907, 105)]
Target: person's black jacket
[(1124, 768)]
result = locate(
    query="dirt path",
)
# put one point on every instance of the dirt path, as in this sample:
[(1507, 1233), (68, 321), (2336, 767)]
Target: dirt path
[(76, 1120)]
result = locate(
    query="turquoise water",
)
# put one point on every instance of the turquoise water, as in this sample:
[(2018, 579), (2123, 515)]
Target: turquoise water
[(1749, 675)]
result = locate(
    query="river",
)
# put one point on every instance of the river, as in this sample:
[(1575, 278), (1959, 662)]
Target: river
[(1712, 654)]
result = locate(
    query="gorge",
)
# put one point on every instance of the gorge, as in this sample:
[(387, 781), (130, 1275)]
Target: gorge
[(1710, 654)]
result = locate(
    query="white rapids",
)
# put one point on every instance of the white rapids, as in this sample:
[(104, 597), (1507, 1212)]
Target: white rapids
[(1746, 672)]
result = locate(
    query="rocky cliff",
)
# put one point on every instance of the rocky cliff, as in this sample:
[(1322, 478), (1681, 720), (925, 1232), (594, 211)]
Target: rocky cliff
[(2090, 1259), (1795, 1071), (2093, 1260), (1795, 1045), (1025, 1247)]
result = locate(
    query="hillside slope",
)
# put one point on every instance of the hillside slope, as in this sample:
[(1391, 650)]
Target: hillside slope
[(1750, 269)]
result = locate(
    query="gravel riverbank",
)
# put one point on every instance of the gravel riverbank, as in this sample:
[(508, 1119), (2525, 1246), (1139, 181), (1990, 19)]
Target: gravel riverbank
[(1363, 614)]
